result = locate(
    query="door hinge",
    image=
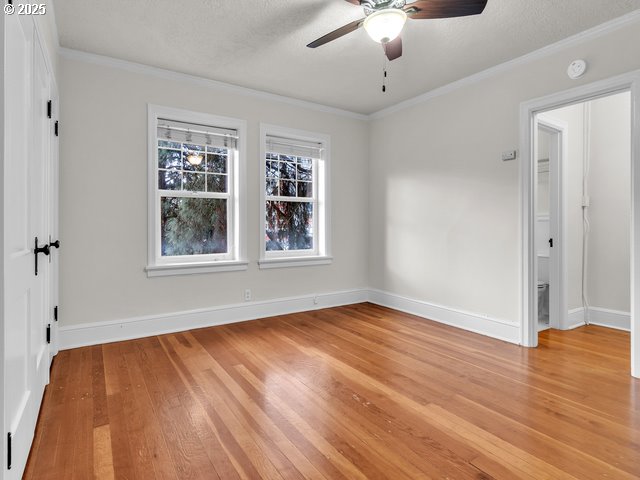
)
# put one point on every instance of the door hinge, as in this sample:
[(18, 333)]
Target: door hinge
[(9, 451), (551, 242), (49, 333), (55, 313), (49, 109), (55, 128)]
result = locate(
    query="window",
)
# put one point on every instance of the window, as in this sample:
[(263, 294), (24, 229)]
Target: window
[(195, 192), (294, 198)]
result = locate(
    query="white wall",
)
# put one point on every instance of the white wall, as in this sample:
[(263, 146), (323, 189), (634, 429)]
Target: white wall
[(444, 208), (103, 206), (608, 270)]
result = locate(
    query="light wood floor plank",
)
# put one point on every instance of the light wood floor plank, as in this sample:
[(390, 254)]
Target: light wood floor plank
[(354, 392), (102, 454)]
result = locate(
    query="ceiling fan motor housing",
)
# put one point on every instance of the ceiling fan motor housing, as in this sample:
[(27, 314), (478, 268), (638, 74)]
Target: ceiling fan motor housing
[(371, 6)]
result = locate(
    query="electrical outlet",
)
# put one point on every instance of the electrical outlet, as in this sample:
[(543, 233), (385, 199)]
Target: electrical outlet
[(315, 299), (247, 295)]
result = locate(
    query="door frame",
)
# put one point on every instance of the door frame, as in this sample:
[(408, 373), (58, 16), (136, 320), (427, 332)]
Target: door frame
[(53, 180), (558, 310), (528, 169), (3, 440)]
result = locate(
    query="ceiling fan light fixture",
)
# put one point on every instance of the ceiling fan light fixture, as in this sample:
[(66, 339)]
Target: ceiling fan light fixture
[(385, 25)]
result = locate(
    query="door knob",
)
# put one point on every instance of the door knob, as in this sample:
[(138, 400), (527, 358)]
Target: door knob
[(55, 244), (38, 250)]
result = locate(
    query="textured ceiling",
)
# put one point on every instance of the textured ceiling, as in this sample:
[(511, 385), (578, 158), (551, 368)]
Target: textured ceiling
[(261, 44)]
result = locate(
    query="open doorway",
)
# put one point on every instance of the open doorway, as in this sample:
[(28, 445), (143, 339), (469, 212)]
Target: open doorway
[(583, 192), (581, 210)]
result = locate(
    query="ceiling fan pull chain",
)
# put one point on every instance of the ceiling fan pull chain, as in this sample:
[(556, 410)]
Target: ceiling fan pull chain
[(384, 74)]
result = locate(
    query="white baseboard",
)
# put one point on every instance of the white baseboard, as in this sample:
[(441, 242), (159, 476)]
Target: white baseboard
[(83, 335), (575, 319), (484, 325), (605, 317), (74, 336), (602, 317)]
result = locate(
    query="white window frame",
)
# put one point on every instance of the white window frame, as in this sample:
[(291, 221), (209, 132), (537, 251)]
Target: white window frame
[(321, 253), (236, 257)]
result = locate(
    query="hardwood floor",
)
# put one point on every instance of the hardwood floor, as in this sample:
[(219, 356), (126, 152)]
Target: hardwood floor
[(356, 392)]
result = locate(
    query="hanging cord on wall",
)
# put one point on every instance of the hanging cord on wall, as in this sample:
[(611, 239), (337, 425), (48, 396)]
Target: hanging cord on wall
[(586, 226)]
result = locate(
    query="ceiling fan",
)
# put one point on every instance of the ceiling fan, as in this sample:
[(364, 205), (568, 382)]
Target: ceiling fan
[(384, 19)]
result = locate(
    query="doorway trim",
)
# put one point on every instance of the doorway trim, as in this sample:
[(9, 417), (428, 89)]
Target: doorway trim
[(528, 176)]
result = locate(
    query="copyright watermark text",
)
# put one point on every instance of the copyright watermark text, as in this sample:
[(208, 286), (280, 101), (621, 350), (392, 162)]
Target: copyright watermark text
[(25, 9)]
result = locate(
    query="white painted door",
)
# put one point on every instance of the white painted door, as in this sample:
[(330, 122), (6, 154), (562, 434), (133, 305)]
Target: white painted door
[(557, 138), (27, 138), (557, 239)]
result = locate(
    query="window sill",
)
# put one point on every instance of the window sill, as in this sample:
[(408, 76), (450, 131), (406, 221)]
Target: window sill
[(195, 268), (285, 262)]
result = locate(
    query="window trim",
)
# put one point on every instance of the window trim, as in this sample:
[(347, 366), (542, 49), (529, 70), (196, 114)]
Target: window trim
[(321, 254), (236, 258)]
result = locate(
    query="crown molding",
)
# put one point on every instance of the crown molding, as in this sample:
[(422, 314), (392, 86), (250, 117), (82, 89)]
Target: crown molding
[(577, 39), (140, 68)]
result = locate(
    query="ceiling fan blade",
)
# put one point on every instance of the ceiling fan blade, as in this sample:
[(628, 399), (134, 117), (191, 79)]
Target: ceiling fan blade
[(393, 49), (348, 28), (444, 8)]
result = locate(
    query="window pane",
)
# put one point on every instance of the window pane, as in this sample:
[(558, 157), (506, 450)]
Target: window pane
[(197, 151), (219, 150), (217, 163), (170, 159), (169, 144), (272, 156), (287, 188), (289, 226), (305, 161), (169, 180), (217, 183), (305, 189), (304, 171), (288, 170), (272, 169), (272, 186), (193, 226), (194, 182)]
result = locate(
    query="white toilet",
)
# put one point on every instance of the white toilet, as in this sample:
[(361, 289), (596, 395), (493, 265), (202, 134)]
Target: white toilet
[(543, 288), (543, 301)]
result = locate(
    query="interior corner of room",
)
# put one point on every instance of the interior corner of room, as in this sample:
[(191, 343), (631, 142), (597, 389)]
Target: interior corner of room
[(291, 254)]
